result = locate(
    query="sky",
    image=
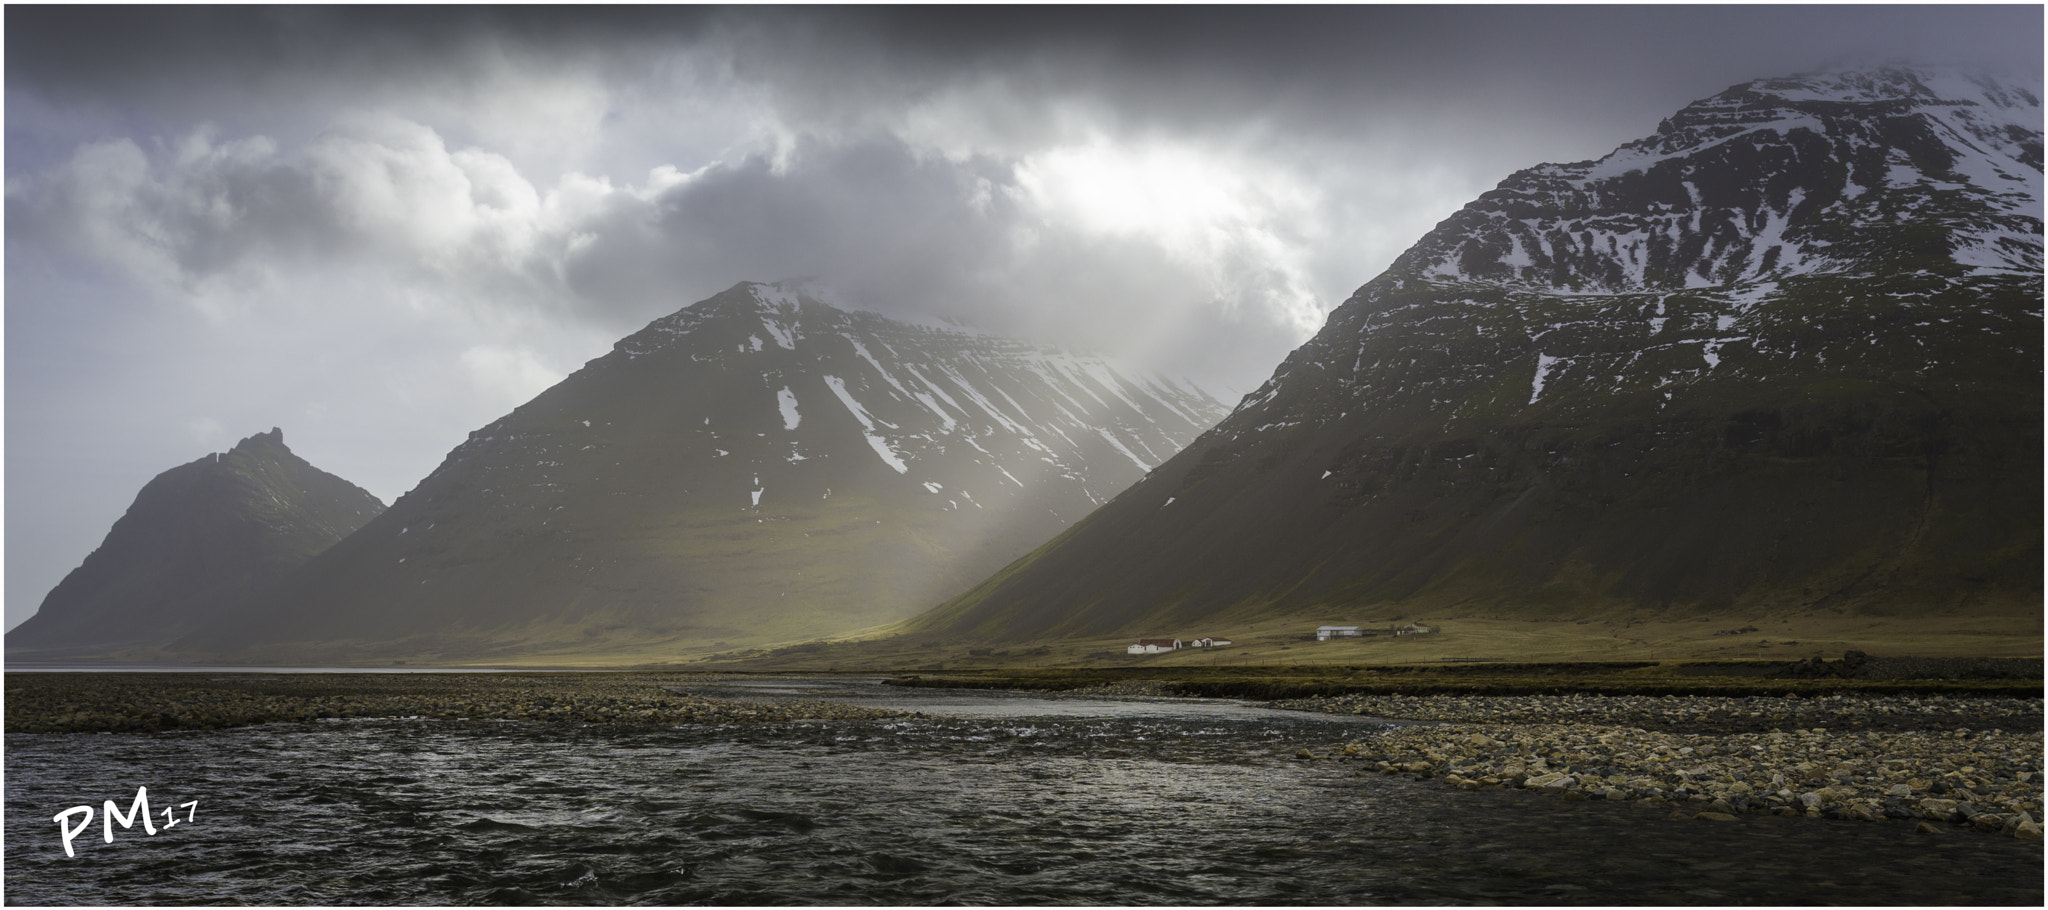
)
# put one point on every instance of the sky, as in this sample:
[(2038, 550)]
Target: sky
[(379, 228)]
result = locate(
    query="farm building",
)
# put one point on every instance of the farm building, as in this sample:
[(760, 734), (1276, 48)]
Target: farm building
[(1154, 646), (1325, 633)]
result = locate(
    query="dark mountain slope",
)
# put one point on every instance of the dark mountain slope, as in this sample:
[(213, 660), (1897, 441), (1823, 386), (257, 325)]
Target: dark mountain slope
[(199, 538), (1783, 355), (759, 466)]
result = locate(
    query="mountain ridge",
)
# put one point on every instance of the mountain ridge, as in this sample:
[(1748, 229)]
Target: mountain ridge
[(198, 539), (758, 466), (1804, 357)]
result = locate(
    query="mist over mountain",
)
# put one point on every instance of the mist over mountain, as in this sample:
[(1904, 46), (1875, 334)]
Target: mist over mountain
[(199, 538), (759, 466), (1782, 356)]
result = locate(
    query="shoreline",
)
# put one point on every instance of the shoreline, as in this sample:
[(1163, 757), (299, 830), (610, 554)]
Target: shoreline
[(39, 703), (1940, 761)]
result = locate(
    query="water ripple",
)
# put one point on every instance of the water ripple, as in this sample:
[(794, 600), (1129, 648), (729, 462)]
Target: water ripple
[(1146, 804)]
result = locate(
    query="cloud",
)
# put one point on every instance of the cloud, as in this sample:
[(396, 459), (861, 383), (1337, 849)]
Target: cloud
[(211, 220), (515, 374), (1090, 246)]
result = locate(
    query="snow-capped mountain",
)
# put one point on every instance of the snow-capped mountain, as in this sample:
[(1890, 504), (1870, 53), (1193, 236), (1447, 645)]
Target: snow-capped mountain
[(758, 466), (1784, 354), (198, 539), (1769, 179)]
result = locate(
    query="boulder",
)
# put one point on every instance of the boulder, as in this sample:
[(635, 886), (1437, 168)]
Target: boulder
[(1938, 809)]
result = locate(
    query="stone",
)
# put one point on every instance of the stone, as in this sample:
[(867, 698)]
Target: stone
[(1715, 817), (1542, 780), (1900, 790), (1940, 809), (1927, 828), (2013, 821)]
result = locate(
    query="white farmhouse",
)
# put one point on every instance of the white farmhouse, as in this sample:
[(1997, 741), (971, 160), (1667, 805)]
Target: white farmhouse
[(1154, 646), (1325, 633)]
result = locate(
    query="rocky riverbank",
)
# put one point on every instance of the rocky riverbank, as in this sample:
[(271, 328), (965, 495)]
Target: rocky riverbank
[(1938, 762), (149, 702)]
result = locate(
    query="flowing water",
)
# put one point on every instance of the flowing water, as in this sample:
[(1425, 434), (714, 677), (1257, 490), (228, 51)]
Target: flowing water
[(987, 798)]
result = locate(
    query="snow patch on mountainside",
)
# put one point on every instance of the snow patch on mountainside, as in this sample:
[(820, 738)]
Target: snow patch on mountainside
[(881, 446), (1543, 365), (1639, 158), (935, 402), (786, 400)]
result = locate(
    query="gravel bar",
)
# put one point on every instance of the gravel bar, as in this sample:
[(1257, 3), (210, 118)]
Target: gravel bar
[(1941, 762)]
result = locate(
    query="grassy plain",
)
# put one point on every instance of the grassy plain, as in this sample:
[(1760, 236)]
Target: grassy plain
[(1268, 642), (1290, 642)]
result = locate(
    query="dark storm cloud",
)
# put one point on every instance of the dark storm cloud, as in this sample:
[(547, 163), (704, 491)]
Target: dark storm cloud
[(1451, 73), (919, 236), (1318, 93), (870, 214), (1200, 64), (165, 52), (1502, 87)]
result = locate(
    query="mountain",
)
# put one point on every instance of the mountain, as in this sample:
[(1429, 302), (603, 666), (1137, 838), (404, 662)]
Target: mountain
[(199, 538), (759, 466), (1783, 355)]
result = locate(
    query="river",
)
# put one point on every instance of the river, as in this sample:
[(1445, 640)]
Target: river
[(984, 798)]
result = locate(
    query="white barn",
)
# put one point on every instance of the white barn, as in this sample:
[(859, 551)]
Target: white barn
[(1154, 646)]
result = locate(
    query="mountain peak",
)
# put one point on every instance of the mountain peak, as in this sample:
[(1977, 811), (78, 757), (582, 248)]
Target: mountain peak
[(260, 441), (1765, 181), (1897, 82), (198, 539)]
